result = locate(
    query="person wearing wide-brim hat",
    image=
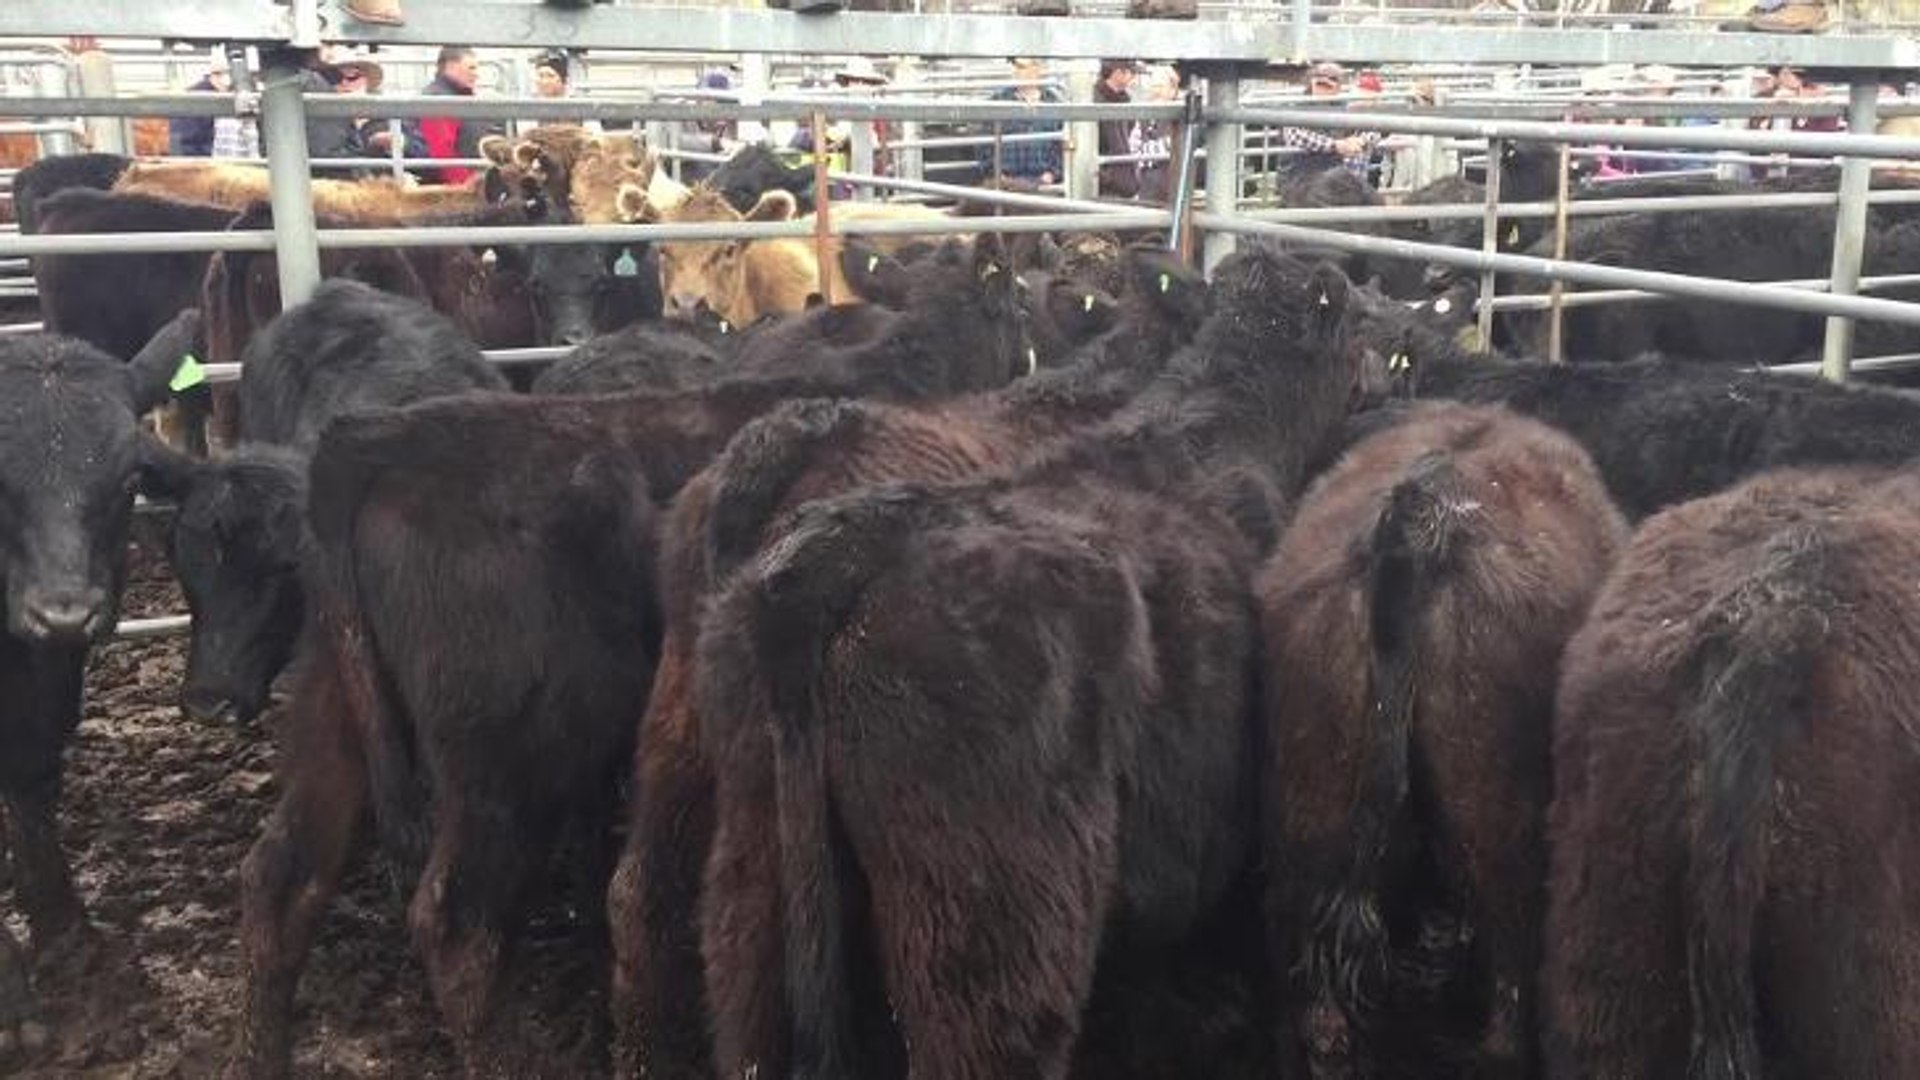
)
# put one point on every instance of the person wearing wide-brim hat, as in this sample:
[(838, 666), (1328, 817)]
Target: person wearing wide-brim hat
[(859, 71)]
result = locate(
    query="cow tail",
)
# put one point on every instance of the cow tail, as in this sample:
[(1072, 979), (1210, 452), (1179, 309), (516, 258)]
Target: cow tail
[(759, 466), (343, 467), (807, 586), (1406, 554), (1758, 645)]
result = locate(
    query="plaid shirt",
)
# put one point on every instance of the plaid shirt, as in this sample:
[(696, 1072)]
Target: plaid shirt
[(1026, 159), (235, 137), (1321, 144)]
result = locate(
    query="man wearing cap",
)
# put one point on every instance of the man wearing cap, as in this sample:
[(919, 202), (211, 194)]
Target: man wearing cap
[(1325, 150), (192, 136), (1118, 179)]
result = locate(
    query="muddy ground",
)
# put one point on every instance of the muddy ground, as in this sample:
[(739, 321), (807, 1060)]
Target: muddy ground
[(157, 816)]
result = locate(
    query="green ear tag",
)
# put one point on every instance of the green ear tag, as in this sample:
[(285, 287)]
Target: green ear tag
[(626, 265), (188, 375), (1166, 282)]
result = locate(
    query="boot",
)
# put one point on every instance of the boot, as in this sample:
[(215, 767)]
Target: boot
[(379, 12), (1163, 9), (1793, 17)]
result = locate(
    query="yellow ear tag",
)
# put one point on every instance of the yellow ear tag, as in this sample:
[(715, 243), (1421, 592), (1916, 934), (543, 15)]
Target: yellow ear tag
[(873, 263), (1166, 282), (1398, 362), (188, 375), (1513, 235), (1086, 302)]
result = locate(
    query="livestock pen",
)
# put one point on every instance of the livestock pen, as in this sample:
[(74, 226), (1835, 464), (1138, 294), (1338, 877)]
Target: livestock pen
[(216, 781)]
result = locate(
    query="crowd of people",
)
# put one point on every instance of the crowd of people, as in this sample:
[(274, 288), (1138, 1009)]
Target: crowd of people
[(337, 71)]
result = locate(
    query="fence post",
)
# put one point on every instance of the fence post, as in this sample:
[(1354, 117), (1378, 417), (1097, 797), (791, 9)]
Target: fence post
[(1490, 237), (290, 187), (50, 80), (1849, 230), (1223, 163), (1083, 141), (105, 134)]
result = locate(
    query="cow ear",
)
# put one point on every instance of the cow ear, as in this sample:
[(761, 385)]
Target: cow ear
[(874, 276), (156, 371), (528, 156), (165, 473), (497, 149), (630, 204), (775, 205)]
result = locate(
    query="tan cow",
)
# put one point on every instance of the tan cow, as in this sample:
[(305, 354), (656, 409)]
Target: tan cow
[(237, 187), (742, 280)]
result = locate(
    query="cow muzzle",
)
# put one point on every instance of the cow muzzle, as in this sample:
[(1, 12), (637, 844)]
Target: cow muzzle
[(64, 616)]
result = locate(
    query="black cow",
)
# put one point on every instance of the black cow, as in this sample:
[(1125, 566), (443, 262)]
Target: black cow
[(482, 606), (782, 460), (239, 530), (1000, 726), (118, 302), (1737, 779), (1413, 617), (756, 168), (49, 175), (70, 454), (1661, 431), (646, 356)]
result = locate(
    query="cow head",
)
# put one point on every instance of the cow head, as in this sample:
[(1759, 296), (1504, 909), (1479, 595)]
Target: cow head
[(580, 290), (699, 275), (235, 547), (70, 459), (1063, 313)]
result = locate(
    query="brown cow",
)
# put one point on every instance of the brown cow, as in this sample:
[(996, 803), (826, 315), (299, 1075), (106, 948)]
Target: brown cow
[(1737, 760), (796, 454), (1413, 617)]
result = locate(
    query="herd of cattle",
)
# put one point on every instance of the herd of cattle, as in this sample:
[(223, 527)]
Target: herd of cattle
[(1049, 666)]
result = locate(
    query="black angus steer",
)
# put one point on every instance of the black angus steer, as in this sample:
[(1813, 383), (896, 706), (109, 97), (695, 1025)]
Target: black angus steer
[(1738, 777), (1413, 617), (239, 531), (70, 458), (796, 453), (1000, 726), (54, 174), (482, 632), (1660, 431)]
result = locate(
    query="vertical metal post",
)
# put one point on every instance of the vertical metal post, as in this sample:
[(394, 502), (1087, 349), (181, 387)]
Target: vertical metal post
[(290, 188), (1490, 238), (303, 18), (1556, 319), (860, 153), (1849, 230), (1302, 19), (822, 202), (1083, 141), (51, 81), (1223, 163), (909, 161), (105, 134)]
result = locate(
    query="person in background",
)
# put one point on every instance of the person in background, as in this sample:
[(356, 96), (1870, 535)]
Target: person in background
[(1153, 140), (456, 71), (553, 78), (707, 136), (1118, 179), (1327, 149), (192, 136), (1033, 161), (373, 137)]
